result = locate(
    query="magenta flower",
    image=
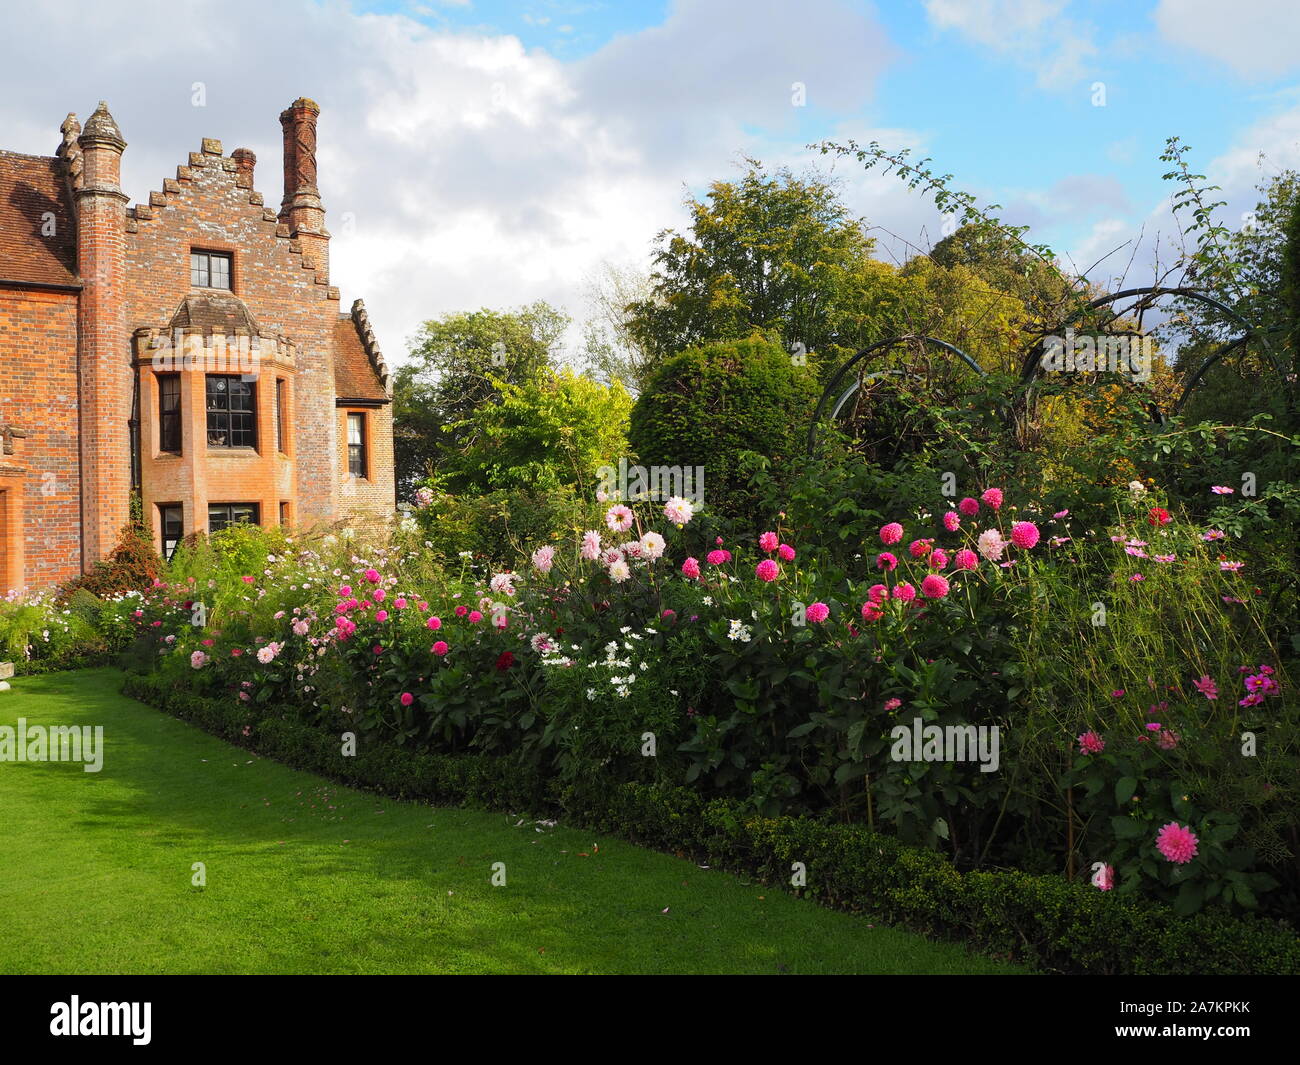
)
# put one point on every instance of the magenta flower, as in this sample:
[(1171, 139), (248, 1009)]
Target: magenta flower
[(767, 570), (1176, 843), (886, 561), (817, 612), (691, 569), (966, 559), (433, 623), (891, 533), (938, 559), (786, 552), (716, 557), (1206, 687), (768, 541), (475, 617), (893, 704), (1213, 534), (934, 586), (1230, 567), (968, 506), (1118, 693), (904, 591), (372, 575), (920, 548), (407, 698), (462, 610), (1091, 743), (951, 521), (440, 648), (877, 593), (872, 612), (381, 615), (993, 497), (1024, 534)]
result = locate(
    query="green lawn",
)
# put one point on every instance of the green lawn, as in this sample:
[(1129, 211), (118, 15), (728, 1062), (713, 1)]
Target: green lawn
[(304, 876)]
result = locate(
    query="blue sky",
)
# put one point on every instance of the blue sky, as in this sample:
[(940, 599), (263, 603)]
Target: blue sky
[(486, 153)]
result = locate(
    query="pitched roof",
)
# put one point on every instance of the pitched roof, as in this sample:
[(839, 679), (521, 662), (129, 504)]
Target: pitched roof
[(355, 376), (34, 202), (213, 313)]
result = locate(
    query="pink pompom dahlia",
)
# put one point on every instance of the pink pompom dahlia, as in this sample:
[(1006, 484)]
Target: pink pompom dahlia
[(891, 533), (966, 559), (951, 521), (1177, 843), (1024, 534), (993, 497), (767, 570), (934, 587), (970, 507), (817, 613), (1091, 743)]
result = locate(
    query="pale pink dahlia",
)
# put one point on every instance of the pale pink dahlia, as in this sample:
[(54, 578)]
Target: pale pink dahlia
[(991, 544), (543, 559), (618, 518), (591, 544)]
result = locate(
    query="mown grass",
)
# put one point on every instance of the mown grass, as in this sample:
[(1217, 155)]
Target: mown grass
[(304, 876)]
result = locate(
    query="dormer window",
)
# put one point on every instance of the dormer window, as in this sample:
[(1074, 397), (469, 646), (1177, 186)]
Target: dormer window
[(210, 269)]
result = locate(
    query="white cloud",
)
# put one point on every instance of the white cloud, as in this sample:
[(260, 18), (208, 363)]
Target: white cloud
[(1255, 38), (1036, 34)]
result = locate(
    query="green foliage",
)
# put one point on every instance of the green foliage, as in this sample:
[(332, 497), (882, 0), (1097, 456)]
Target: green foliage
[(458, 363), (133, 565), (553, 431), (707, 405)]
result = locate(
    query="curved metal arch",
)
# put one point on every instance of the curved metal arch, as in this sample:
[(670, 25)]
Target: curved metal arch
[(1034, 352), (881, 345)]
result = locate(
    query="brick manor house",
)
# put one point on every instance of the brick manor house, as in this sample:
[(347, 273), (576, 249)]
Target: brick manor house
[(190, 351)]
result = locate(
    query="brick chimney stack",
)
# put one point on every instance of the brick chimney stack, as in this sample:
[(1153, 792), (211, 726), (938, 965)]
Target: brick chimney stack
[(103, 357), (301, 208), (245, 160)]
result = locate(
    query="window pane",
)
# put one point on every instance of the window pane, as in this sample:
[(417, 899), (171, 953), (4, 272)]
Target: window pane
[(220, 269), (198, 270), (169, 412), (354, 428)]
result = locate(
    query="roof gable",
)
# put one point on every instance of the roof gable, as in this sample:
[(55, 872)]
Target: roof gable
[(37, 225)]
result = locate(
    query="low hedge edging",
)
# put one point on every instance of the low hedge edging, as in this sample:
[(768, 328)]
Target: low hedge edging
[(1043, 921)]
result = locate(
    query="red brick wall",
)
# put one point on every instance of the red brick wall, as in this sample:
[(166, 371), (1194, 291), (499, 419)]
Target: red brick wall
[(212, 206), (38, 393)]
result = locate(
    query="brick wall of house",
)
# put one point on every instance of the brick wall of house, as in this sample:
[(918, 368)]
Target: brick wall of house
[(38, 394), (211, 205)]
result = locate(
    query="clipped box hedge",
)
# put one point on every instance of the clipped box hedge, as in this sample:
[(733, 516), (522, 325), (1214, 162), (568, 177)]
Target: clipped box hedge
[(1043, 921)]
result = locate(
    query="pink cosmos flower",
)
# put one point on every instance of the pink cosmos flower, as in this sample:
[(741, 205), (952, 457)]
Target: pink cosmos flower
[(1206, 687), (1221, 490), (966, 559), (1118, 693), (886, 561), (1061, 514), (1136, 578), (1091, 743), (970, 507), (993, 497), (786, 552), (1167, 739), (817, 612), (407, 698), (934, 586), (904, 591), (951, 521), (691, 569), (440, 648), (1213, 534), (1176, 843), (891, 533), (768, 541), (767, 570), (1024, 534), (1230, 567)]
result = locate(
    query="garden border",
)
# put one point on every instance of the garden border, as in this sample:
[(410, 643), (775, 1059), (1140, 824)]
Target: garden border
[(1042, 921)]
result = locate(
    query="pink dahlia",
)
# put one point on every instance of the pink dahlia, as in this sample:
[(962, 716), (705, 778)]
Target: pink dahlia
[(891, 533), (920, 548), (934, 587), (872, 612), (433, 623), (993, 497), (407, 698), (904, 591), (817, 612), (716, 557), (1091, 743), (691, 568), (970, 507), (475, 617), (1176, 843), (768, 541), (372, 575), (1024, 534), (951, 521), (786, 552), (886, 561), (966, 559), (767, 570), (440, 648), (1105, 878), (877, 593), (938, 559)]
